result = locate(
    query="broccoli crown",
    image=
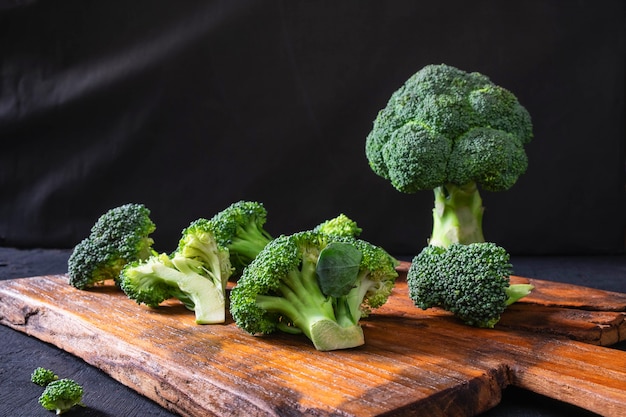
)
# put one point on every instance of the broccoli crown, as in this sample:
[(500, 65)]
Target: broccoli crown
[(471, 281), (341, 225), (196, 273), (42, 376), (445, 125), (316, 284), (240, 229), (61, 395), (119, 236)]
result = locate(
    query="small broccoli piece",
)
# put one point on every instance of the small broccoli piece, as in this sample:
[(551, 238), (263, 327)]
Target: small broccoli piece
[(341, 225), (62, 395), (316, 284), (196, 273), (471, 281), (119, 236), (240, 229), (42, 376), (452, 132)]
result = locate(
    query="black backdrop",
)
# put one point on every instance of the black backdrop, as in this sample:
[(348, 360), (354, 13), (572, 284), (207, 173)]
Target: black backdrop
[(190, 106)]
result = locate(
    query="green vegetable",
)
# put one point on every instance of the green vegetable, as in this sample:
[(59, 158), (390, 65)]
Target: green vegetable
[(316, 284), (452, 132), (341, 225), (196, 273), (42, 376), (471, 281), (61, 395), (119, 236), (240, 229)]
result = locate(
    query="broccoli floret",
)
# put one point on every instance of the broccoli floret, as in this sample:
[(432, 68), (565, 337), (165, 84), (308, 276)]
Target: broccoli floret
[(341, 225), (196, 273), (316, 284), (471, 281), (240, 229), (42, 376), (452, 132), (61, 395), (119, 236)]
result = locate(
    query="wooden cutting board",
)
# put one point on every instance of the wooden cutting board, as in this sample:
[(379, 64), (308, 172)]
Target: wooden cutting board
[(414, 362)]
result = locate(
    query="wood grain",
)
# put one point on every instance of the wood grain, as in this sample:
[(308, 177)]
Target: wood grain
[(413, 360)]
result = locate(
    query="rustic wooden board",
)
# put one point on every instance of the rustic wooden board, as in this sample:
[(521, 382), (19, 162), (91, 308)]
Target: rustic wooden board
[(413, 360)]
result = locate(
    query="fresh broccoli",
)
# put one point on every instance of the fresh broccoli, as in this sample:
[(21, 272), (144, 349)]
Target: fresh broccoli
[(119, 236), (471, 281), (316, 284), (196, 273), (341, 225), (42, 376), (240, 229), (452, 132), (61, 395)]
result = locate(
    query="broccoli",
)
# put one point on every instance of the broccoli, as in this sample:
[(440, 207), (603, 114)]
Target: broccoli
[(61, 395), (316, 284), (471, 281), (119, 236), (341, 225), (196, 273), (452, 132), (240, 229), (42, 376)]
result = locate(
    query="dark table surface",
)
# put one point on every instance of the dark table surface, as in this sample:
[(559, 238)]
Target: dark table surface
[(20, 354)]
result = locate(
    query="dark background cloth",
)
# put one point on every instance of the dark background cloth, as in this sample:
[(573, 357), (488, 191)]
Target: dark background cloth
[(190, 106)]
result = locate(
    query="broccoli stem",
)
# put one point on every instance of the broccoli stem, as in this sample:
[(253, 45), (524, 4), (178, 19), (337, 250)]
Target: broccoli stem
[(515, 292), (457, 216), (301, 299), (207, 296), (249, 241)]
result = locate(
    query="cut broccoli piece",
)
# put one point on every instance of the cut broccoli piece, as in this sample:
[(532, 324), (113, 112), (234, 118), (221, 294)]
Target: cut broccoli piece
[(196, 274), (471, 281), (452, 132), (62, 395), (119, 236), (316, 284), (42, 376)]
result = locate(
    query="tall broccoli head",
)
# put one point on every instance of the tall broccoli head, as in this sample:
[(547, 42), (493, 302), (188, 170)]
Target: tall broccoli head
[(316, 284), (120, 236), (240, 229), (452, 132)]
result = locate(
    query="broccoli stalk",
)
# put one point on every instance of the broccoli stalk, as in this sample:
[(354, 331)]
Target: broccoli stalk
[(316, 284), (183, 279), (452, 132), (196, 274), (457, 215), (311, 312)]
